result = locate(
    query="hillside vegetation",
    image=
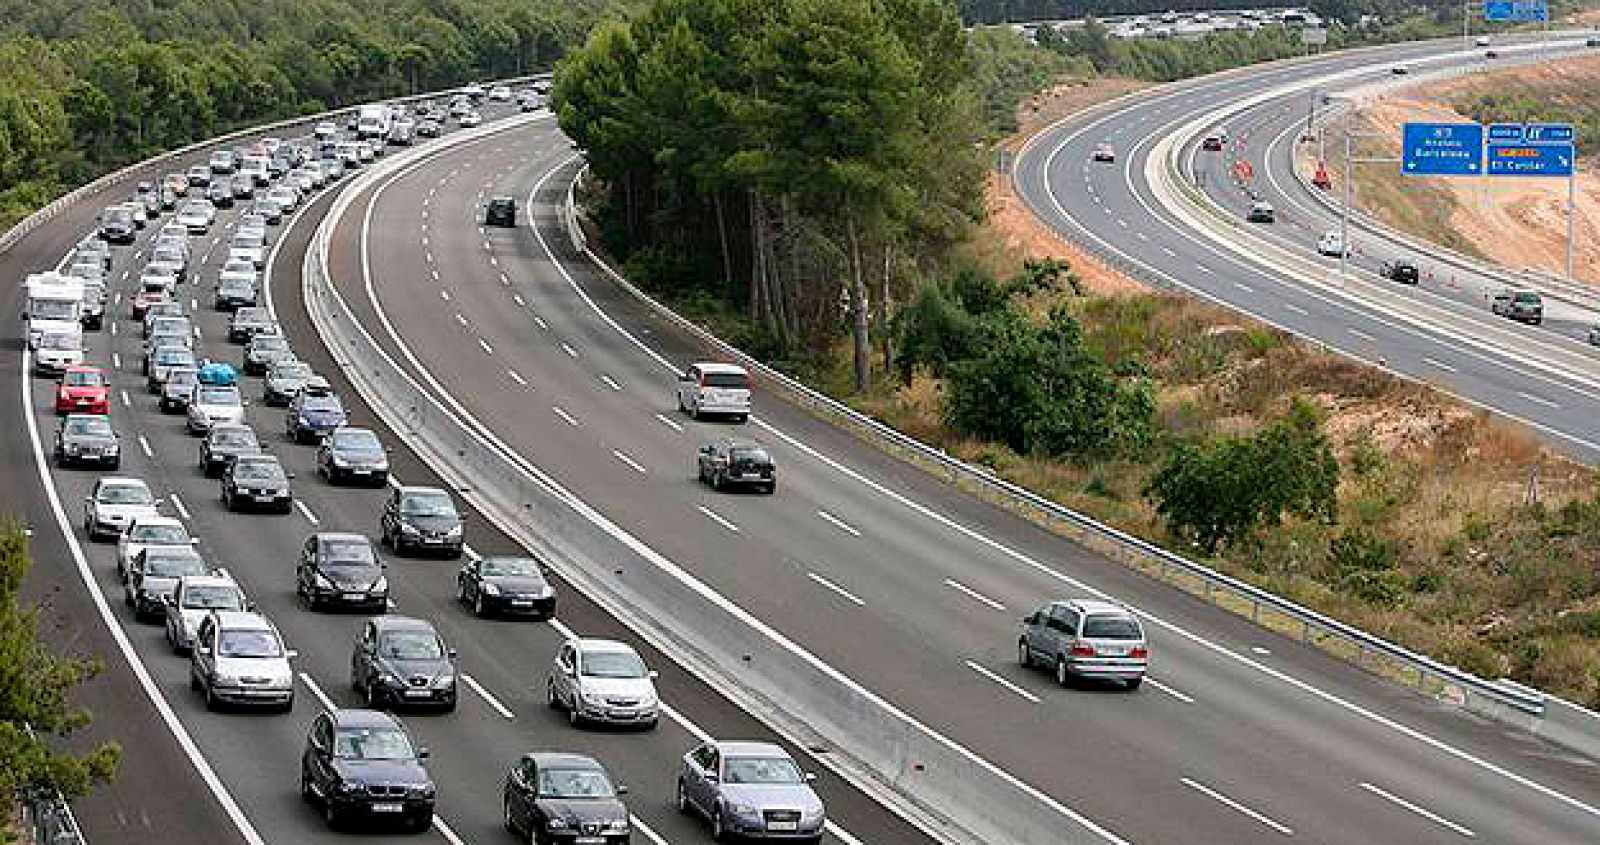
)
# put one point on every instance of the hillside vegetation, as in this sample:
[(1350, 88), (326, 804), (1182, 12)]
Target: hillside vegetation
[(88, 86)]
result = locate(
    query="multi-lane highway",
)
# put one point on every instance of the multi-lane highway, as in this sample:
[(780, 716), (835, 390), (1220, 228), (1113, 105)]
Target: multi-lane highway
[(1542, 375), (907, 586)]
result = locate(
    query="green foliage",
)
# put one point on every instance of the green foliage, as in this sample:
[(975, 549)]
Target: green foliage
[(1367, 567), (1164, 60), (934, 332), (1221, 491), (34, 687), (1006, 69)]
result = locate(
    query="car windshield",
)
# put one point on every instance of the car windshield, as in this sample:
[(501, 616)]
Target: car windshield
[(239, 266), (218, 396), (249, 315), (181, 380), (159, 535), (120, 217), (513, 567), (291, 369), (173, 355), (359, 442), (258, 471), (212, 597), (427, 504), (348, 552), (249, 643), (613, 664), (372, 744), (51, 309), (173, 564), (1109, 627), (574, 783), (761, 770), (410, 645), (320, 402), (124, 494), (89, 427), (755, 456), (723, 380), (85, 378), (58, 340), (233, 437), (269, 344), (248, 239)]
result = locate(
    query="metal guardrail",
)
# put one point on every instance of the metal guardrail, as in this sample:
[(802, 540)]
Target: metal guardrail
[(51, 820)]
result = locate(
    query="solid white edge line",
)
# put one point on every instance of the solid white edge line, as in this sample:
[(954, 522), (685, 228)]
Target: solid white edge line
[(486, 696), (1435, 362), (839, 523), (717, 518), (147, 683), (1183, 697), (964, 589), (306, 512), (177, 505), (1421, 811), (445, 831), (1225, 800), (845, 594), (1537, 400), (976, 667), (650, 834), (1359, 333)]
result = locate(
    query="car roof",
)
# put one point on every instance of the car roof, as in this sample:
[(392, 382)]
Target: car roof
[(563, 760), (403, 623), (328, 536), (1090, 606), (122, 481), (207, 581), (79, 368), (158, 520), (359, 718), (588, 644), (746, 748), (242, 619), (414, 489), (718, 367), (743, 443)]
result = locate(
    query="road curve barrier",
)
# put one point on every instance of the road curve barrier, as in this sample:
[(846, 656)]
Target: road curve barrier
[(934, 782)]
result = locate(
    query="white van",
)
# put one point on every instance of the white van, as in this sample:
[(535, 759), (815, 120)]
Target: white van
[(712, 388), (54, 303)]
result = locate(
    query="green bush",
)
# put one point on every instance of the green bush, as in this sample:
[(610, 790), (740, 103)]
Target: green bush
[(1366, 566)]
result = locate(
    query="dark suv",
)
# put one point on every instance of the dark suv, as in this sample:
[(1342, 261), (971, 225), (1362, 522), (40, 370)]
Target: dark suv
[(501, 211), (422, 519), (362, 762), (342, 569), (400, 661), (1401, 271), (729, 461)]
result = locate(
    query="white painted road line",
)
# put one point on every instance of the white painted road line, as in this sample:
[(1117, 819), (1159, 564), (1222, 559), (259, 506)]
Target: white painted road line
[(306, 512), (1168, 690), (484, 345), (1169, 252), (1212, 793), (840, 524), (964, 589), (572, 353), (1427, 814), (564, 415), (484, 694), (461, 319), (327, 703), (717, 518), (116, 361), (540, 321), (113, 329), (669, 423), (177, 505), (1434, 362), (505, 280), (610, 382), (144, 446), (1202, 268), (1244, 287), (1296, 309), (842, 592), (517, 377), (1359, 333), (445, 831), (1537, 400), (637, 467), (517, 298), (1001, 681), (125, 402), (444, 294)]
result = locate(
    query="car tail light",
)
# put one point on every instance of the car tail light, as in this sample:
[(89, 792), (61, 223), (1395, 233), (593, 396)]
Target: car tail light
[(1140, 652), (1082, 650)]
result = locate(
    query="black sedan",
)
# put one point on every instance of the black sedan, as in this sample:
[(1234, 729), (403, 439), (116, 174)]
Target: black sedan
[(342, 569), (223, 444), (729, 461), (505, 585), (567, 798), (400, 661), (256, 482), (362, 762)]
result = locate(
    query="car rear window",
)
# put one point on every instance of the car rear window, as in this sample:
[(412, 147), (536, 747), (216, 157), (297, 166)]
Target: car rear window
[(725, 380), (1111, 627), (1527, 297)]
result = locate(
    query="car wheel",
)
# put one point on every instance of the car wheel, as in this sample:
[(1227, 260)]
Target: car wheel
[(1063, 677), (694, 412), (716, 481), (574, 717), (305, 788), (505, 816), (194, 682), (330, 814), (478, 609), (718, 831), (1133, 683), (211, 697), (681, 409), (550, 695), (741, 418), (1024, 654)]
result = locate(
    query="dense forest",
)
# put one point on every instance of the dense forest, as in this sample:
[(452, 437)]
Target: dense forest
[(88, 86), (1000, 11)]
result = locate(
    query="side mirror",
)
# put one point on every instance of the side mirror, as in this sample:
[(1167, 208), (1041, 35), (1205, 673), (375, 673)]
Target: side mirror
[(194, 541), (653, 674), (811, 777), (168, 600), (622, 789), (203, 650), (290, 654), (423, 753), (711, 777), (452, 653)]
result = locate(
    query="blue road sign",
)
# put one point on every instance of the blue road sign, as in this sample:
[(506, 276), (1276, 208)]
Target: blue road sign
[(1531, 159), (1516, 11), (1442, 149), (1547, 133), (1505, 133)]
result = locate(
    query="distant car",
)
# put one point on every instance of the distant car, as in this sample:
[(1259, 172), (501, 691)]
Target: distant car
[(549, 791), (353, 455), (194, 220), (283, 380), (256, 482), (750, 789), (728, 462), (114, 504), (222, 161), (500, 92), (225, 443), (218, 373), (314, 411), (1399, 70), (146, 531), (326, 130), (117, 226), (191, 599), (56, 352), (213, 404), (1331, 243), (87, 439), (1525, 306), (1481, 41), (362, 762), (264, 350), (246, 322), (428, 128), (470, 119), (244, 188), (1400, 270), (1592, 41), (1261, 212), (1491, 54), (234, 291), (400, 661), (417, 519), (287, 198), (342, 570), (179, 386), (1594, 335), (269, 209), (500, 211), (510, 585), (220, 192), (602, 681), (1085, 638), (153, 572), (1212, 143), (239, 658), (474, 91), (198, 176), (1104, 152), (84, 390), (162, 362), (712, 388)]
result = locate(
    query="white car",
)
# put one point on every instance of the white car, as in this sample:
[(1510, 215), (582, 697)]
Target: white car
[(214, 404), (500, 92), (239, 658), (1481, 41), (712, 388), (1332, 243), (115, 503), (194, 219), (474, 90), (471, 118), (247, 246), (194, 597), (286, 197), (326, 130), (54, 352), (602, 681), (146, 531)]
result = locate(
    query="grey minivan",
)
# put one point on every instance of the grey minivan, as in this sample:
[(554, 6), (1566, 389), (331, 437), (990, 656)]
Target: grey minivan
[(1085, 638)]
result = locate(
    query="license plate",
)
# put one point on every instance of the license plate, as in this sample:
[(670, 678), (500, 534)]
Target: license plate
[(417, 693), (1114, 650), (265, 498), (590, 840), (522, 602), (783, 825), (362, 472), (386, 808), (354, 596)]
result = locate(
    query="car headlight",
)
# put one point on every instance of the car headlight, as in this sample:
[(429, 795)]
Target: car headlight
[(340, 462), (455, 531), (593, 697), (444, 680), (407, 528), (812, 812), (323, 583), (491, 590), (424, 790), (225, 680), (350, 787), (556, 824), (618, 825), (72, 448), (379, 586)]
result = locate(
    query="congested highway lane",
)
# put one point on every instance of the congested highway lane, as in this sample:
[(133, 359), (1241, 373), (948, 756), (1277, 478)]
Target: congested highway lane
[(502, 711), (904, 596)]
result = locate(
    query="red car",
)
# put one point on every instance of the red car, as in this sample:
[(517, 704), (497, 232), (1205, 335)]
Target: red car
[(147, 298), (84, 390)]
